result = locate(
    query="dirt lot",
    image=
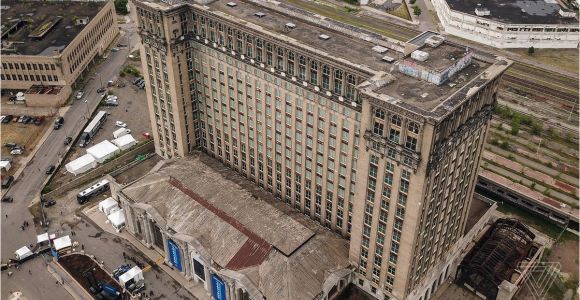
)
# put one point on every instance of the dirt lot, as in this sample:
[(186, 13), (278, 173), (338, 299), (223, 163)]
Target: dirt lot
[(27, 135)]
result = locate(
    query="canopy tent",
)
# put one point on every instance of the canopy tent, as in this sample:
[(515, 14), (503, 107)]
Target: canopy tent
[(62, 243), (4, 164), (103, 150), (23, 253), (81, 164), (120, 132), (45, 237), (108, 205), (117, 219), (135, 273), (125, 142)]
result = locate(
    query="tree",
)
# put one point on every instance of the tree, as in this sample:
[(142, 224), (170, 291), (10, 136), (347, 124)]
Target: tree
[(121, 7), (416, 10), (531, 50)]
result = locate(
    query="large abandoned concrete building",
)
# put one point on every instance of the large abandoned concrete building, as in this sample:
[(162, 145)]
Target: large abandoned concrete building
[(46, 46), (375, 139)]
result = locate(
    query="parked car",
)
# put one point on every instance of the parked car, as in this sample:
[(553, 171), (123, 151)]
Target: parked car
[(27, 119), (10, 145), (50, 169), (137, 80), (67, 140), (7, 181), (80, 95), (2, 118), (7, 199), (7, 119), (120, 124), (58, 123), (111, 103), (15, 119), (16, 151), (114, 49), (49, 203), (101, 90), (21, 119), (39, 121)]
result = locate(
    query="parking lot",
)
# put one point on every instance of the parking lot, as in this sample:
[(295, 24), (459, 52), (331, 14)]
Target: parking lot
[(26, 135), (132, 110)]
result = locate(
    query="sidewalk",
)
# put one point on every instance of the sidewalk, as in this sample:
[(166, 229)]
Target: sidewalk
[(71, 285), (100, 220)]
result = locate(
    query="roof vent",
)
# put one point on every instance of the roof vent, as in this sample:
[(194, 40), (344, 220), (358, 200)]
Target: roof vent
[(419, 55), (566, 13), (380, 49), (388, 59), (231, 4), (324, 37), (260, 14), (482, 11), (290, 25)]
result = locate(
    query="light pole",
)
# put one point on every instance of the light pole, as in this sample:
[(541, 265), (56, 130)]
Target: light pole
[(538, 149)]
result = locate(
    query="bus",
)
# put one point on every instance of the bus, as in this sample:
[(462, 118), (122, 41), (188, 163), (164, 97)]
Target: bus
[(92, 191), (92, 128)]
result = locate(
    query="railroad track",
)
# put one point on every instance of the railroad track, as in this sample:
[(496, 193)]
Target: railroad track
[(535, 72), (569, 99)]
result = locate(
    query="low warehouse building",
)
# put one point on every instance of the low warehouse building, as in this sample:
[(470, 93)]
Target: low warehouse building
[(222, 231)]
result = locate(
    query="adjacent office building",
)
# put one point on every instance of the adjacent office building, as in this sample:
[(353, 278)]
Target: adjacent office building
[(375, 139), (46, 46)]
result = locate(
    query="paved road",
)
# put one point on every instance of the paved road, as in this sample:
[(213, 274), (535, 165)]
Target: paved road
[(30, 182)]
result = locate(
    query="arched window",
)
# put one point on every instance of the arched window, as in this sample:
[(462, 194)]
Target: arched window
[(396, 120), (350, 82), (413, 127), (290, 68), (302, 67), (338, 82), (269, 54), (380, 113), (280, 58), (314, 72), (325, 77)]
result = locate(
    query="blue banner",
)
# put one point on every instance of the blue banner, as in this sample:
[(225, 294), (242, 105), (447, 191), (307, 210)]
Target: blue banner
[(174, 254), (218, 288)]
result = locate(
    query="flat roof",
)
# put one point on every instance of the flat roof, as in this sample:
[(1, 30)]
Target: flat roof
[(242, 227), (43, 28), (515, 12), (352, 47)]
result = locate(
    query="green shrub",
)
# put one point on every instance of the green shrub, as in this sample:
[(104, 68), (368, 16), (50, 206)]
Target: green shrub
[(505, 145)]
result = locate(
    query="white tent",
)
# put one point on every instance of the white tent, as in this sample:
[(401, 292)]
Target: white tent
[(81, 164), (103, 150), (120, 132), (108, 205), (23, 253), (135, 273), (62, 243), (41, 238), (125, 142), (4, 164), (117, 219)]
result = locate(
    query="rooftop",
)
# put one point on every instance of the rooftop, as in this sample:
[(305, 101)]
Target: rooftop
[(515, 12), (43, 28), (241, 227), (356, 49)]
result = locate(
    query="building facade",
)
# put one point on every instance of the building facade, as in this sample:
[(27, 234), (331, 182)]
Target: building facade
[(46, 71), (510, 26), (382, 149)]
